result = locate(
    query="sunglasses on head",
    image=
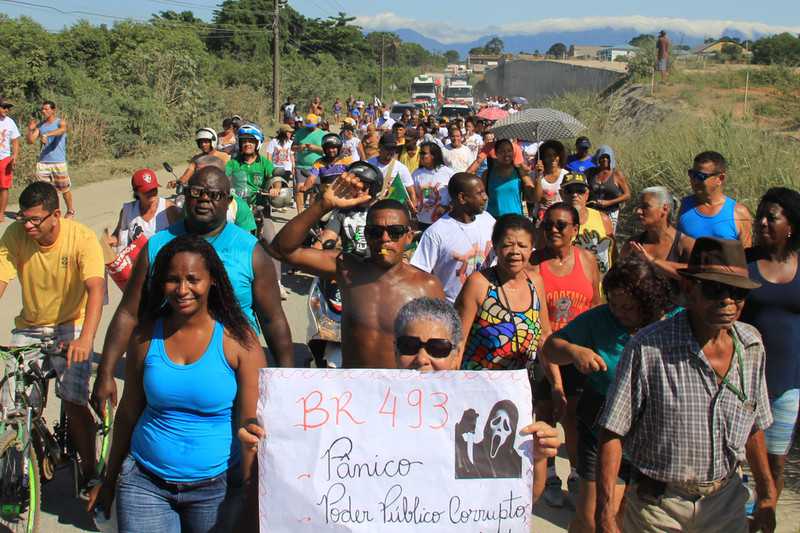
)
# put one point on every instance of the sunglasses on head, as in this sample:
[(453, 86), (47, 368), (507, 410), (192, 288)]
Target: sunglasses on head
[(714, 290), (395, 231), (560, 224), (439, 348), (700, 176), (214, 195), (575, 189)]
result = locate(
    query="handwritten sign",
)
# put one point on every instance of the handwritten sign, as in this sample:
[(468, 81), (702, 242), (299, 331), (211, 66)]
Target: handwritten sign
[(394, 450)]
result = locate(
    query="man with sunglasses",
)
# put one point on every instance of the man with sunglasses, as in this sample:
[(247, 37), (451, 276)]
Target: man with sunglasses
[(249, 268), (60, 269), (708, 212), (690, 403), (595, 230), (373, 289)]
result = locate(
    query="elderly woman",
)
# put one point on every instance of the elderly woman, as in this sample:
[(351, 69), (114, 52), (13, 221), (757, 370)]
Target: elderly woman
[(427, 336), (660, 244), (594, 342), (774, 308)]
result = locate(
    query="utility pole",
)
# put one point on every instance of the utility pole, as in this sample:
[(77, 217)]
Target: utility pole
[(276, 69), (383, 38)]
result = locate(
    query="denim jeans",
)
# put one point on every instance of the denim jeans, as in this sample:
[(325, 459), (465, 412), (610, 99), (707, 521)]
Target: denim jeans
[(146, 502)]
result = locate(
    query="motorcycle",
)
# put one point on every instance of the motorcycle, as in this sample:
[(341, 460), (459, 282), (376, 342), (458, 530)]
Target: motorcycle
[(324, 332), (179, 197)]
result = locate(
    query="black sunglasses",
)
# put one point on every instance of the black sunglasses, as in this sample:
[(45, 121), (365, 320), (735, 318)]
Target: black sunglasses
[(700, 176), (437, 348), (575, 189), (560, 224), (395, 231), (214, 195), (714, 290)]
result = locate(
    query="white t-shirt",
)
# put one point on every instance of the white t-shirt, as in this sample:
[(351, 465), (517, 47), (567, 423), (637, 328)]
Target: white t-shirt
[(8, 132), (475, 143), (281, 154), (431, 189), (399, 169), (350, 148), (452, 250), (385, 124), (458, 158)]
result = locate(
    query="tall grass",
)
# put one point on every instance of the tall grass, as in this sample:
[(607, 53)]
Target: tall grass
[(660, 151)]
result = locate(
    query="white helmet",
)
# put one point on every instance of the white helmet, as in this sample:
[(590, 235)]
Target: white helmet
[(206, 134)]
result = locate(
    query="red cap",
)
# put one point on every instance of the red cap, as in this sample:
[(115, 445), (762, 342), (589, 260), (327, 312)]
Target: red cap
[(144, 180)]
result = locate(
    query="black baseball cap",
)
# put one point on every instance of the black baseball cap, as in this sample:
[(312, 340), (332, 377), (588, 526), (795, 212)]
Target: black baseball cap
[(388, 140), (583, 142)]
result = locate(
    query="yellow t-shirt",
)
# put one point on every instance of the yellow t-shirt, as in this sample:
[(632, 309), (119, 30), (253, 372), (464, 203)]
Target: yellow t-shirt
[(412, 162), (592, 236), (52, 278)]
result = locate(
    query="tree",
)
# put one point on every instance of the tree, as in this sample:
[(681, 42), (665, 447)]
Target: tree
[(731, 52), (781, 49), (643, 40), (494, 46), (558, 50), (452, 56), (478, 50)]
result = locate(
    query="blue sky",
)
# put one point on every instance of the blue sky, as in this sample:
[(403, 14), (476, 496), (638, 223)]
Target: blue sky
[(448, 20)]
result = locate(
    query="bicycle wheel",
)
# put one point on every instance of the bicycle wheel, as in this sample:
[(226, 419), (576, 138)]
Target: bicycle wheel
[(19, 506)]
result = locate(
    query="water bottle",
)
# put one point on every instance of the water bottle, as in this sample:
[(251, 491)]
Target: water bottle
[(750, 505)]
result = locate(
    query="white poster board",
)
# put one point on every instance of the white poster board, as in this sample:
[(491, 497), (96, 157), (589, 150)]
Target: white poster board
[(394, 450)]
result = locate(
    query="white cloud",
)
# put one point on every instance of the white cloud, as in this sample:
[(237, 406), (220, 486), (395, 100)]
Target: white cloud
[(446, 33)]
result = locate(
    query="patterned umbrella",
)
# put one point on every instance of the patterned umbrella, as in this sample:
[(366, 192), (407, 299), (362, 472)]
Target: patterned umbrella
[(538, 124), (492, 113)]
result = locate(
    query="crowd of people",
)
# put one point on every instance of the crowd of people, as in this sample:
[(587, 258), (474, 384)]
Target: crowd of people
[(667, 356)]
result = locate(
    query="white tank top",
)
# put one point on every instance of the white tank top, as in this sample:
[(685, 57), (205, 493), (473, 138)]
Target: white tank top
[(551, 192), (133, 225)]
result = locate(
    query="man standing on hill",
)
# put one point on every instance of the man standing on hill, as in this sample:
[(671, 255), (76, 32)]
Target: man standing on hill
[(52, 164), (662, 54), (9, 150), (708, 212)]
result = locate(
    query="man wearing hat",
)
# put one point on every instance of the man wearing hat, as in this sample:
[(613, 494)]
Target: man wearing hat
[(9, 150), (386, 161), (596, 232), (689, 405), (581, 161), (307, 150)]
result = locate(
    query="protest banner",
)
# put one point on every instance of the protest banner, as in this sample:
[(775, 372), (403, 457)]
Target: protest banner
[(394, 450)]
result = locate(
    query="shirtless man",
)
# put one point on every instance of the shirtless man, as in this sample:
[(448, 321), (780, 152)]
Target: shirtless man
[(373, 289)]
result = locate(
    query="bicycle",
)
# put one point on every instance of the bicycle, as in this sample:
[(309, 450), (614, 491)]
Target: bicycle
[(29, 450)]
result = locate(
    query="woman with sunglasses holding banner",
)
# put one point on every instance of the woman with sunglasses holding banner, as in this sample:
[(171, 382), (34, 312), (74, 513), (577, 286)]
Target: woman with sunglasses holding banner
[(501, 307), (571, 284)]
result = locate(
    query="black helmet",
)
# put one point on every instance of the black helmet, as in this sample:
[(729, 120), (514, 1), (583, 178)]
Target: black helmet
[(370, 175), (331, 139)]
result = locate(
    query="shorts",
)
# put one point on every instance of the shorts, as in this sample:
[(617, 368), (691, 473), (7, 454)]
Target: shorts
[(662, 64), (299, 177), (784, 412), (72, 384), (571, 379), (55, 173), (588, 448), (6, 173)]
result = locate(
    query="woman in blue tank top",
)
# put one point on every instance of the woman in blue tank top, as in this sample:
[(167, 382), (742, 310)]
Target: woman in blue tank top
[(505, 184), (175, 463)]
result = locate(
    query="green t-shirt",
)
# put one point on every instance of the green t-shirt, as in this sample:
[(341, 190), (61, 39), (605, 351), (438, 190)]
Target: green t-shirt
[(258, 172), (241, 214), (304, 158)]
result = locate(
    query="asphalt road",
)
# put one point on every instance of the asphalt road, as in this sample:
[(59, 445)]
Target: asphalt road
[(98, 206)]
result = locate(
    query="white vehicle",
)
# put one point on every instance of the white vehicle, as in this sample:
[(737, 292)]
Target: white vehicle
[(424, 87), (459, 92)]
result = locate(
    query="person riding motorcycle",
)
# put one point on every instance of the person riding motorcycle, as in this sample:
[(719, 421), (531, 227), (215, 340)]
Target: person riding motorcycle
[(206, 139), (332, 164)]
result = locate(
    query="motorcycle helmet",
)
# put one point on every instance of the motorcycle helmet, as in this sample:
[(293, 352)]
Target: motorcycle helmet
[(331, 140), (251, 131), (206, 134), (369, 175)]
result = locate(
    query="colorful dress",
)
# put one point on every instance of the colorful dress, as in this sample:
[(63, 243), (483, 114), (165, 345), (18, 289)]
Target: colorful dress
[(502, 339)]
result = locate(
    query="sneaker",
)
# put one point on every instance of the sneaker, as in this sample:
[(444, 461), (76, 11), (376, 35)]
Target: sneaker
[(553, 494), (573, 483)]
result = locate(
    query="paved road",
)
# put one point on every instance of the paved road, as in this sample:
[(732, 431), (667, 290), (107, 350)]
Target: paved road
[(98, 205)]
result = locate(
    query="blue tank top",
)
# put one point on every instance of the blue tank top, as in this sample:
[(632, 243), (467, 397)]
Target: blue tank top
[(234, 246), (185, 432), (696, 225), (55, 151), (774, 309), (504, 194)]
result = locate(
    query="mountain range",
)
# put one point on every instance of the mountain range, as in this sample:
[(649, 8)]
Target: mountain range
[(543, 41)]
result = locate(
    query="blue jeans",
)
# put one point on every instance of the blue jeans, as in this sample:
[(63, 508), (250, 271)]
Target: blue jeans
[(146, 502)]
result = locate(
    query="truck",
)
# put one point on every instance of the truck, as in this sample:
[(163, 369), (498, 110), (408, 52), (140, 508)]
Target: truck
[(424, 89), (458, 91)]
